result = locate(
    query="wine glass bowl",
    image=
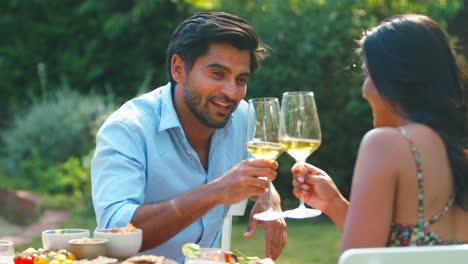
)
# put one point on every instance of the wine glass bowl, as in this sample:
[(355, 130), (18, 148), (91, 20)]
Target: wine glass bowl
[(264, 150), (300, 148), (300, 135), (263, 119)]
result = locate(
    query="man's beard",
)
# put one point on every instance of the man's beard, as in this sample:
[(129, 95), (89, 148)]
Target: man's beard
[(193, 100)]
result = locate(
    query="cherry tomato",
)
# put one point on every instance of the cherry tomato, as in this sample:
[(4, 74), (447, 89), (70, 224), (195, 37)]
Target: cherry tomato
[(18, 260), (28, 260)]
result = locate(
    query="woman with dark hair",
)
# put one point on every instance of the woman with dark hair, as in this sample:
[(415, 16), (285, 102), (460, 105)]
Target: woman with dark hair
[(410, 183)]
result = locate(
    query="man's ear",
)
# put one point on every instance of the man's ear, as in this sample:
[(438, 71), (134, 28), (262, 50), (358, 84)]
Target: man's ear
[(177, 69)]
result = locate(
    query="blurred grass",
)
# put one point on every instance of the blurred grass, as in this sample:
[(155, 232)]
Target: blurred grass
[(310, 241)]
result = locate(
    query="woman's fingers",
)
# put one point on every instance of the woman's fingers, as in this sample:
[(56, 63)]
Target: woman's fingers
[(300, 186)]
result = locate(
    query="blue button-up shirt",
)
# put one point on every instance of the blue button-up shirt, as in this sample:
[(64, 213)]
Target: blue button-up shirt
[(143, 156)]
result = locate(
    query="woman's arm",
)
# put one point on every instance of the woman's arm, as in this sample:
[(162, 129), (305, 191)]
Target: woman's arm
[(373, 191)]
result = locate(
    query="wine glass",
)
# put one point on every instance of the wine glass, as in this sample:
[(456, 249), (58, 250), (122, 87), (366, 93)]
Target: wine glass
[(262, 141), (300, 136), (7, 252)]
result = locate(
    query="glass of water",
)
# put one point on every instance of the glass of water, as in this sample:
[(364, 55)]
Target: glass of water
[(207, 256), (7, 252)]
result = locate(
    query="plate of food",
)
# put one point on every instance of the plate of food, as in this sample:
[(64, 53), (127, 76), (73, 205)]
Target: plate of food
[(194, 254)]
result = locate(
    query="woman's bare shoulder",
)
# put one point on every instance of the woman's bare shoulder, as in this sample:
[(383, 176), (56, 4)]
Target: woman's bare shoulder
[(385, 149), (383, 137)]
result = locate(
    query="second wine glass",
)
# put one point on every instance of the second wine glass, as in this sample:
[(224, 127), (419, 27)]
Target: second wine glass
[(262, 141), (300, 136)]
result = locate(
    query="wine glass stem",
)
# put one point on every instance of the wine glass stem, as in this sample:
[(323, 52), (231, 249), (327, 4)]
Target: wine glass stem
[(270, 198), (301, 202)]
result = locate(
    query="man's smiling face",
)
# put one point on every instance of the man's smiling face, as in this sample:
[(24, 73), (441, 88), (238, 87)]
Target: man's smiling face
[(216, 83)]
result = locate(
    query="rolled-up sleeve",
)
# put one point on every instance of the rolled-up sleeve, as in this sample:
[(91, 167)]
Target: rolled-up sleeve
[(118, 177)]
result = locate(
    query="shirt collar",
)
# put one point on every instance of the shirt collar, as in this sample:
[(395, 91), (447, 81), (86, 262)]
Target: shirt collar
[(169, 118)]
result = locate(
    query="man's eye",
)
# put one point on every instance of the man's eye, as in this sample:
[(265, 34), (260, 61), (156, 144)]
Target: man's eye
[(242, 81), (218, 74)]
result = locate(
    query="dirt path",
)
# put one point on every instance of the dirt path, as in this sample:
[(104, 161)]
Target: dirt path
[(7, 228), (50, 219), (27, 202)]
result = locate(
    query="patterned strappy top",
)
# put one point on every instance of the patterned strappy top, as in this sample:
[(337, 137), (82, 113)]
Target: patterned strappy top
[(418, 234)]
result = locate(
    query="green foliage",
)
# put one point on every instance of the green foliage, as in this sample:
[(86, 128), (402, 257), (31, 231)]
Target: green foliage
[(313, 47), (41, 146), (95, 45), (90, 44), (73, 177)]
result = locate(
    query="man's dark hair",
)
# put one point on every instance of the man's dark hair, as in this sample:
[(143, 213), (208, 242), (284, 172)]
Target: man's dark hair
[(193, 36)]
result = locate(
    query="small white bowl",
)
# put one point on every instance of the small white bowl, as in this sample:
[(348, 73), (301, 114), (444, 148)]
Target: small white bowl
[(121, 245), (55, 239)]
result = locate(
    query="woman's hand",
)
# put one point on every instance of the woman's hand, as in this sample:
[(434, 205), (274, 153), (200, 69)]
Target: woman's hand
[(315, 187)]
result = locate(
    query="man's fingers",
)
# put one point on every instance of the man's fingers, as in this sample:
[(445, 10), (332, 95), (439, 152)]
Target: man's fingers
[(257, 172), (251, 229), (260, 183), (272, 164), (275, 238), (268, 251), (264, 172), (270, 246)]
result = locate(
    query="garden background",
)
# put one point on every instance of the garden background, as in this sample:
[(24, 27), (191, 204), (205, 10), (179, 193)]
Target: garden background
[(65, 65)]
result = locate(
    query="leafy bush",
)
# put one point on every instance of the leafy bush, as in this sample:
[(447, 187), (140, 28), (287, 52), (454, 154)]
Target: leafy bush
[(55, 128), (92, 44), (71, 177)]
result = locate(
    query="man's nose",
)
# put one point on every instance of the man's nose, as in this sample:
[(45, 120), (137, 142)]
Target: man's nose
[(230, 89)]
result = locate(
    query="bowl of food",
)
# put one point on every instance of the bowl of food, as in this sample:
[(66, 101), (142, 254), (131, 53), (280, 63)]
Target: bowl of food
[(55, 239), (88, 248), (124, 242)]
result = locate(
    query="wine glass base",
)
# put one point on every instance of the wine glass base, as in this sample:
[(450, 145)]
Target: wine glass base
[(300, 213), (269, 215)]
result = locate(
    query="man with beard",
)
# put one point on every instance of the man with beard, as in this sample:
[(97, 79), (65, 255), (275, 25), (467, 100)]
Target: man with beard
[(173, 160)]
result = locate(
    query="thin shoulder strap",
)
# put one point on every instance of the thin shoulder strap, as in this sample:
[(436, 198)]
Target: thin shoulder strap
[(417, 159), (443, 211)]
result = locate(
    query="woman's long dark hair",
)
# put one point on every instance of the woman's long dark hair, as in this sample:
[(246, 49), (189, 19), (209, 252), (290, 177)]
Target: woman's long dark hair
[(412, 65)]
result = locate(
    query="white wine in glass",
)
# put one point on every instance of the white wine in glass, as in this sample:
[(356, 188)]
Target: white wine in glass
[(264, 150), (262, 141), (300, 136)]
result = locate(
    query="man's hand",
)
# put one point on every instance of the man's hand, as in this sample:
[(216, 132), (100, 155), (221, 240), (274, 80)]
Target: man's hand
[(275, 231), (242, 181)]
